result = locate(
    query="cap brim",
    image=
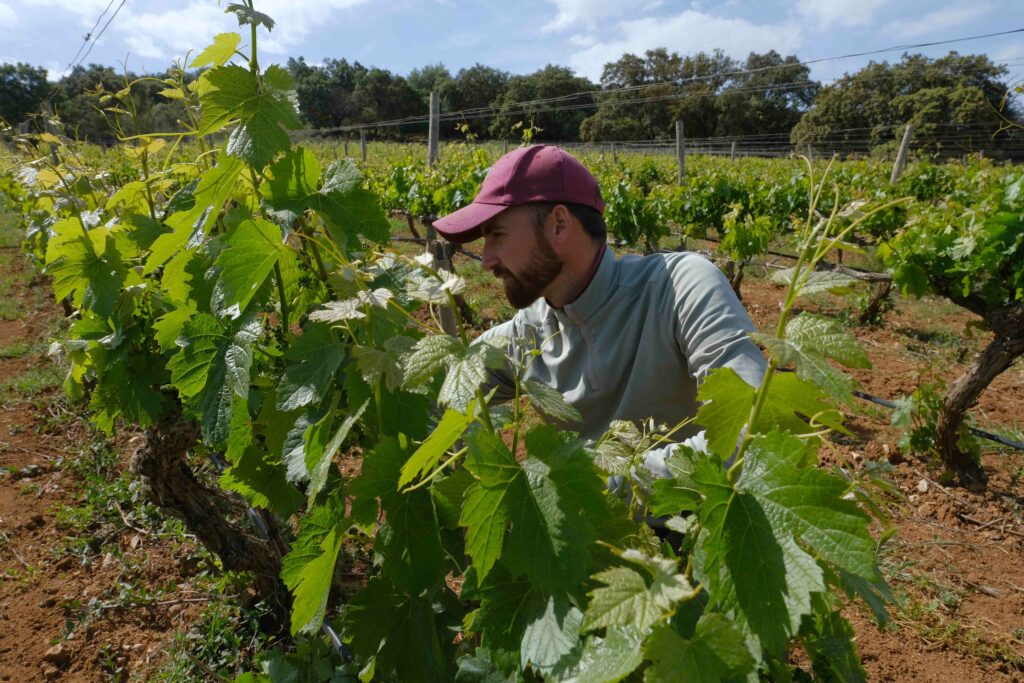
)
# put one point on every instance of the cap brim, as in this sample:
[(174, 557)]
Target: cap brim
[(464, 225)]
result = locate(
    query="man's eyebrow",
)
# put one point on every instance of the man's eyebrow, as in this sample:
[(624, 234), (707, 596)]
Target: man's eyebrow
[(490, 227)]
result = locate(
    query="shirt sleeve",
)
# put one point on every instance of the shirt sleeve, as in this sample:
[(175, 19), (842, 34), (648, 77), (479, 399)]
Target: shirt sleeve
[(713, 327)]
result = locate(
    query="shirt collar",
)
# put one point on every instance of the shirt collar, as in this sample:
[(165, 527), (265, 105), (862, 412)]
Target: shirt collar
[(598, 291)]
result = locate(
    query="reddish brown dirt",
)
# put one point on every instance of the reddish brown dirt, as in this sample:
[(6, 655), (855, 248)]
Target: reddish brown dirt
[(955, 561), (957, 555), (47, 600)]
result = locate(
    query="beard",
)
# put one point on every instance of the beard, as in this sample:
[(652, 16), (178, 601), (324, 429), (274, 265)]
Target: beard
[(525, 288)]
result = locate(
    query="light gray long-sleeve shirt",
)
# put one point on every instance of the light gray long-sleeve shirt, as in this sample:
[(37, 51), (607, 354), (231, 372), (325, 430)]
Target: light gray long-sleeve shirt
[(637, 342)]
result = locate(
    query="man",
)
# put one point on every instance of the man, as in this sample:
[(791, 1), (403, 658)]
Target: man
[(621, 339)]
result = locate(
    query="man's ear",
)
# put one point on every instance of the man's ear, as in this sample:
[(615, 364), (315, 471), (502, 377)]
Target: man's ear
[(561, 219)]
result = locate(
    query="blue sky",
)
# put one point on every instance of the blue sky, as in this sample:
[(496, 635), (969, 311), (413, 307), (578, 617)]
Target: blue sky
[(519, 37)]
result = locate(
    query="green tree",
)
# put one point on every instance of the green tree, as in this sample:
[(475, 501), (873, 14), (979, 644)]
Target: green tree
[(22, 88), (327, 93), (549, 82), (770, 98), (951, 103), (477, 86), (431, 77), (660, 88)]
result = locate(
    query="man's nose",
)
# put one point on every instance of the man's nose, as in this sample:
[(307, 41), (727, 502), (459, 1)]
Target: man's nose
[(489, 260)]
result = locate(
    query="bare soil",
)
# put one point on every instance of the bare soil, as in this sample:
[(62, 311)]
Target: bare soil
[(954, 562), (60, 618)]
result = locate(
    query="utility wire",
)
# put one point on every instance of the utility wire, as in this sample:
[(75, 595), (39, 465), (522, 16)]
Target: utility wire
[(472, 112), (88, 35), (100, 34)]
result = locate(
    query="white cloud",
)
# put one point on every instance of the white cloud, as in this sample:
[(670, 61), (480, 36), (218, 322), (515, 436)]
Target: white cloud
[(587, 12), (165, 31), (939, 20), (7, 16), (687, 33), (838, 13)]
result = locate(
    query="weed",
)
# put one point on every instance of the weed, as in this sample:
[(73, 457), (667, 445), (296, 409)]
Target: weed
[(15, 349), (224, 639), (33, 381)]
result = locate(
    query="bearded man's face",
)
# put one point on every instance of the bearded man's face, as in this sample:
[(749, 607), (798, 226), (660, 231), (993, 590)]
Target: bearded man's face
[(517, 251)]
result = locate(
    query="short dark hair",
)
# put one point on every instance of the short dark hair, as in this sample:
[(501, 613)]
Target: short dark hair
[(589, 217)]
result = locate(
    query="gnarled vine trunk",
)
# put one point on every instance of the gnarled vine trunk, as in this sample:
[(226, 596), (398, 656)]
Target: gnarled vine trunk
[(1008, 325), (171, 484)]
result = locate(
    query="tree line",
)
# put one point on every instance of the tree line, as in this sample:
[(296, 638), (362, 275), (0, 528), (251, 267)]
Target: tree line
[(639, 97)]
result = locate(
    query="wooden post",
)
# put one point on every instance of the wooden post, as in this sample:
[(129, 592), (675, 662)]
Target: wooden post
[(615, 153), (346, 147), (504, 147), (901, 156), (680, 151), (434, 129), (442, 256), (810, 153), (732, 151), (362, 142)]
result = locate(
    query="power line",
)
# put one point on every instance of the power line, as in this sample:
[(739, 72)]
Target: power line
[(100, 34), (88, 35), (472, 113)]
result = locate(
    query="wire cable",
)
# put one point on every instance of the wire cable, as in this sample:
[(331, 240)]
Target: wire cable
[(88, 35), (100, 34), (471, 113)]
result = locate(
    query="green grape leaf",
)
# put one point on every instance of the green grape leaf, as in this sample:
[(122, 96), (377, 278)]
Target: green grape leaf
[(816, 333), (168, 327), (386, 363), (728, 400), (189, 225), (399, 630), (755, 573), (808, 502), (628, 598), (551, 638), (815, 282), (831, 648), (231, 92), (240, 432), (89, 269), (466, 373), (429, 454), (247, 15), (200, 370), (410, 540), (294, 444), (348, 207), (507, 607), (552, 502), (810, 341), (218, 52), (670, 497), (551, 403), (377, 478), (260, 479), (478, 668), (449, 493), (308, 568), (609, 659), (130, 389), (716, 652), (318, 464), (253, 248), (430, 355), (130, 196), (315, 356)]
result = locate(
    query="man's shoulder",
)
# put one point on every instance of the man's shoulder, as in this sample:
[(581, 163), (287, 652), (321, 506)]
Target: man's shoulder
[(664, 268)]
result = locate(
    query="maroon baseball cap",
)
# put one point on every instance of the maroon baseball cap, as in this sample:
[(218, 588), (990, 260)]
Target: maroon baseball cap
[(542, 173)]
